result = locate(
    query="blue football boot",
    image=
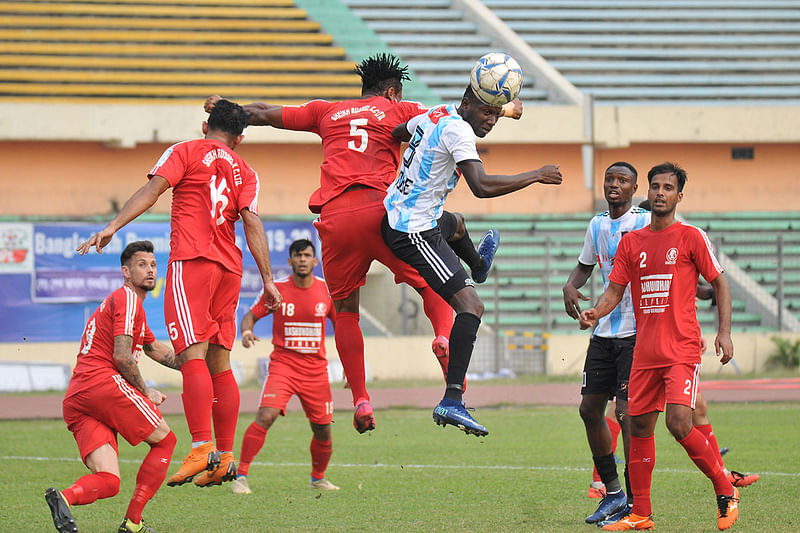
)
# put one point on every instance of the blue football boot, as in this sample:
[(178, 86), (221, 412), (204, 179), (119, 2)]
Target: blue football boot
[(486, 249), (454, 413), (609, 505)]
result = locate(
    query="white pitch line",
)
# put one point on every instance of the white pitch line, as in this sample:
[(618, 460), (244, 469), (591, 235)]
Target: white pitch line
[(519, 468)]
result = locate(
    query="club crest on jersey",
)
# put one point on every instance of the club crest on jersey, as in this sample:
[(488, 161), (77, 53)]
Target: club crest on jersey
[(672, 256), (321, 309)]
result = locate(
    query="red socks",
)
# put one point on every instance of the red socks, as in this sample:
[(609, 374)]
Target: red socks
[(438, 312), (151, 475), (708, 433), (350, 345), (321, 452), (252, 442), (640, 471), (700, 452), (92, 487), (225, 409), (198, 393)]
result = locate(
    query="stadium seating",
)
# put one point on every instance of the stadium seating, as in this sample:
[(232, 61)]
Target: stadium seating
[(751, 240), (537, 254), (710, 51), (168, 50), (434, 39), (621, 51)]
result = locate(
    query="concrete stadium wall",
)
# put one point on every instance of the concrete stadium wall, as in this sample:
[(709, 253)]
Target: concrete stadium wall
[(77, 179), (408, 357)]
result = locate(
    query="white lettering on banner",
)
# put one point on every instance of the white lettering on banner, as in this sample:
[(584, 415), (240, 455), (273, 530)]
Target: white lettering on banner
[(65, 246)]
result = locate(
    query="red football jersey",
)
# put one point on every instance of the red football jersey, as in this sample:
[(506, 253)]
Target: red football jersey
[(121, 313), (298, 327), (211, 185), (662, 268), (357, 142)]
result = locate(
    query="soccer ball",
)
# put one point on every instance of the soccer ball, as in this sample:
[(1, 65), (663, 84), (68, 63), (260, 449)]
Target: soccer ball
[(496, 78)]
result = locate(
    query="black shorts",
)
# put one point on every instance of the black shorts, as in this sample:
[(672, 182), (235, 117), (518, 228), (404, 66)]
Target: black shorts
[(431, 256), (607, 369)]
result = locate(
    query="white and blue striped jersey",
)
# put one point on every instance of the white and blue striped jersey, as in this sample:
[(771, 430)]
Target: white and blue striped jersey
[(600, 246), (440, 139)]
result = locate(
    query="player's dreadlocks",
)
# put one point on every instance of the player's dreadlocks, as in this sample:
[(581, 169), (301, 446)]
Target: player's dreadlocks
[(381, 71)]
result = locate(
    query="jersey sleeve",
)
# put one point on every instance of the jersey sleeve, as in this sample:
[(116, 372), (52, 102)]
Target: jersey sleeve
[(459, 140), (305, 117), (259, 306), (411, 109), (588, 253), (123, 313), (621, 273), (331, 312), (149, 338), (248, 194), (171, 165), (703, 255)]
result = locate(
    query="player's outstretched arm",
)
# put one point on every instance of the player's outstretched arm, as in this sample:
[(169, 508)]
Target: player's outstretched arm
[(162, 354), (577, 279), (141, 201), (723, 343), (258, 114), (259, 248), (607, 302), (249, 320), (485, 185)]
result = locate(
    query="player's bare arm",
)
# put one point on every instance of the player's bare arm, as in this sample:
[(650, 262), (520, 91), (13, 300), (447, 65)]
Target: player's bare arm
[(248, 337), (400, 132), (577, 279), (258, 114), (259, 248), (723, 343), (607, 302), (485, 185), (162, 354), (138, 203), (127, 367)]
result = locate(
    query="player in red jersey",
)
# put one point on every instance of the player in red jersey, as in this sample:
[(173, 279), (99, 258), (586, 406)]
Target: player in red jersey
[(662, 262), (360, 161), (107, 395), (297, 364), (212, 188)]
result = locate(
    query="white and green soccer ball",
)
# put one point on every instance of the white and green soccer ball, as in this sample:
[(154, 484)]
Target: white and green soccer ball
[(496, 78)]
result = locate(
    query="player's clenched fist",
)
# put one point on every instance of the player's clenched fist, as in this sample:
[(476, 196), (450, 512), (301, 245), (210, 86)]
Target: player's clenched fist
[(272, 297), (550, 175)]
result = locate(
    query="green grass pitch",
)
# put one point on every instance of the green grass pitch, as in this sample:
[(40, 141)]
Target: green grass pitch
[(530, 474)]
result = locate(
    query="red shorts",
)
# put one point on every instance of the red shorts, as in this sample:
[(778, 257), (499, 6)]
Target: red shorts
[(650, 389), (350, 230), (200, 302), (313, 390), (95, 415)]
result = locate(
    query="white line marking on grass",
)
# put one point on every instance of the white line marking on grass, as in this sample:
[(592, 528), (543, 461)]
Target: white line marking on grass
[(418, 466)]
